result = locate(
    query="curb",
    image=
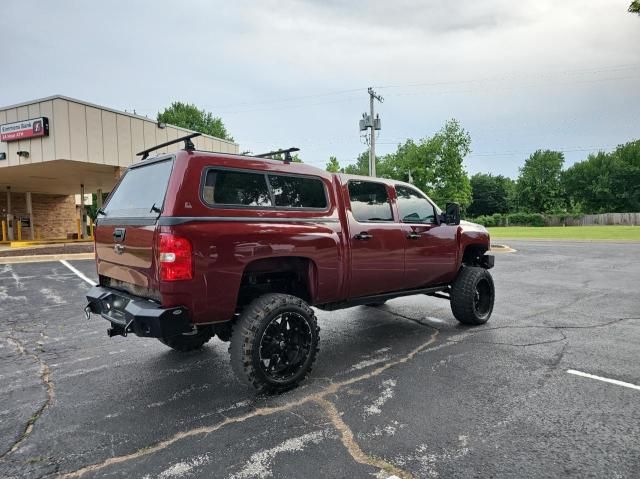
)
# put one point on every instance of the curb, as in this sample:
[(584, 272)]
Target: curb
[(41, 258), (501, 248)]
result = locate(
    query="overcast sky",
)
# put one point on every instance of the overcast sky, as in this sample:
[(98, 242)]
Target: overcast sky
[(518, 75)]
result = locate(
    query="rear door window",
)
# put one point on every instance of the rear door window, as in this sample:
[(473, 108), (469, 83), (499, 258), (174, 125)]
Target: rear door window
[(298, 192), (236, 188), (369, 201), (141, 192)]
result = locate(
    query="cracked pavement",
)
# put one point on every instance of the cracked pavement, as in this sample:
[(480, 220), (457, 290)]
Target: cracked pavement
[(400, 390)]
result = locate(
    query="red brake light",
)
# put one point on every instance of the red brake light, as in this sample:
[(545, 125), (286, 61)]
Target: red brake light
[(174, 257)]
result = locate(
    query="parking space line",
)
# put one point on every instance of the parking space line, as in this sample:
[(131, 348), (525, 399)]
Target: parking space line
[(606, 380), (78, 273)]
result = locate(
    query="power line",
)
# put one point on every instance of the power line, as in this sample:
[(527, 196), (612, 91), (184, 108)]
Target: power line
[(528, 77)]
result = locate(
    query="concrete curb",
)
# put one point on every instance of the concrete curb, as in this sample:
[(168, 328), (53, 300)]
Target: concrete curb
[(501, 248), (41, 258)]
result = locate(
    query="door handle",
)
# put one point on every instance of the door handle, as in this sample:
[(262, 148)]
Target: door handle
[(363, 236), (119, 234), (413, 235)]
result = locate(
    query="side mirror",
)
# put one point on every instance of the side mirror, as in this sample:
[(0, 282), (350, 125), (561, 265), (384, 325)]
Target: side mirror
[(452, 214)]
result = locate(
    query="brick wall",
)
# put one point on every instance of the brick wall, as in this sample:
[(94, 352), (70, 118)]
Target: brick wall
[(54, 215)]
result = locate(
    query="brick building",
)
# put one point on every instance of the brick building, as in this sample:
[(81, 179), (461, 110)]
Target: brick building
[(57, 147)]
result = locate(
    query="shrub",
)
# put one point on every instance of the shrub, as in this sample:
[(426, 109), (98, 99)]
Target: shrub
[(525, 219)]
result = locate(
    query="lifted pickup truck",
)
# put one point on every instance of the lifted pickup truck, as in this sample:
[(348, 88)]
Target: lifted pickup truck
[(195, 244)]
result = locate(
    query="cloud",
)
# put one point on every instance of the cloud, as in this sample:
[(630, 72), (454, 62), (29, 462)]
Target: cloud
[(519, 75)]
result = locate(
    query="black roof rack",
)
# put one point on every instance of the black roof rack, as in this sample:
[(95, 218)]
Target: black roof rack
[(286, 153), (188, 145)]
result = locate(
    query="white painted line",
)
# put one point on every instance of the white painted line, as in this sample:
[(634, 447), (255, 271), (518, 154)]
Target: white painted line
[(78, 273), (606, 380)]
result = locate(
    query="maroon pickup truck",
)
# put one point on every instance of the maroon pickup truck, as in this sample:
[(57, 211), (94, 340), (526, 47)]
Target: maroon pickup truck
[(195, 244)]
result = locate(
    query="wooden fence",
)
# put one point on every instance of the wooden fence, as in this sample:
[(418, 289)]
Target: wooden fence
[(612, 219), (600, 219)]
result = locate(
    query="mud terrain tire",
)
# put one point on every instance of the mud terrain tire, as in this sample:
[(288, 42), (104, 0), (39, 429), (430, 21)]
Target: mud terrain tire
[(472, 296), (274, 343)]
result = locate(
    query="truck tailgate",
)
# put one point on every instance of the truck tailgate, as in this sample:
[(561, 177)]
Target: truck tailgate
[(126, 253)]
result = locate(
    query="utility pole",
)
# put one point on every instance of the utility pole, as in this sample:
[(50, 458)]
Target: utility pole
[(373, 120), (372, 123)]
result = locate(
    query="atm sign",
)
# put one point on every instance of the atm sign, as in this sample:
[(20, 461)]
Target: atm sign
[(21, 130)]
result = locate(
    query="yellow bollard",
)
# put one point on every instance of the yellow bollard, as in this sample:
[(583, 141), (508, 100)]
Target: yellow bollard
[(4, 231), (19, 230), (79, 225), (91, 227)]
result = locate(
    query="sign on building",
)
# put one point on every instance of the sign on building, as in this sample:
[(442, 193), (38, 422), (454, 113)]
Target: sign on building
[(22, 130)]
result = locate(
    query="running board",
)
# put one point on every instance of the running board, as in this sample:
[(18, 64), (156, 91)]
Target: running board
[(377, 298)]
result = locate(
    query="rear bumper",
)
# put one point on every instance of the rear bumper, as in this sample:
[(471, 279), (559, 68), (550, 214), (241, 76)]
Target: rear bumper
[(132, 314)]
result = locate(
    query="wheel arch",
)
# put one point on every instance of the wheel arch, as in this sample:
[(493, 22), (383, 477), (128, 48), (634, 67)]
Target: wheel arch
[(472, 254), (295, 275)]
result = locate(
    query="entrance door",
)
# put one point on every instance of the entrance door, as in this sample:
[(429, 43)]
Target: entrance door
[(377, 242), (431, 247)]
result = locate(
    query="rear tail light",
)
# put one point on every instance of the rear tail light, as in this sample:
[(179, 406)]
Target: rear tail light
[(174, 257)]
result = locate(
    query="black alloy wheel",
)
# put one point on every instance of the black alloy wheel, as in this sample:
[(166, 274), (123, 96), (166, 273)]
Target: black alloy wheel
[(274, 342), (285, 346)]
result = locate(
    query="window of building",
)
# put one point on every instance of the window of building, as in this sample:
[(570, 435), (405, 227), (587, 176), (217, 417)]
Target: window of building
[(414, 207), (236, 188), (298, 192), (369, 201)]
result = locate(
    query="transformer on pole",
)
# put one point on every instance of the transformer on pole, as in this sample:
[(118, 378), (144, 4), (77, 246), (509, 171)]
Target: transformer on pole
[(372, 123)]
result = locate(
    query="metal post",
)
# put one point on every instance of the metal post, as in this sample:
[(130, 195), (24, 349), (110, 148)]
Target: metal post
[(372, 119), (9, 215), (99, 198), (372, 148), (30, 213), (82, 221)]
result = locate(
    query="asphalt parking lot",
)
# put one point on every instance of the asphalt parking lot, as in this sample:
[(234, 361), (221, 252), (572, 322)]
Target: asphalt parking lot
[(398, 390)]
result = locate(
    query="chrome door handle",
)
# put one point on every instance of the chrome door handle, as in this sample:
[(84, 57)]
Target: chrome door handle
[(363, 236), (413, 235)]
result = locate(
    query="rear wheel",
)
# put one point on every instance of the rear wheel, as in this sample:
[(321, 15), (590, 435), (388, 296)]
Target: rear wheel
[(188, 341), (472, 296), (274, 342)]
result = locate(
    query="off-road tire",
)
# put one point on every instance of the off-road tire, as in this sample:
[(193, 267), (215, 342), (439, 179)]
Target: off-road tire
[(472, 296), (187, 342), (249, 331)]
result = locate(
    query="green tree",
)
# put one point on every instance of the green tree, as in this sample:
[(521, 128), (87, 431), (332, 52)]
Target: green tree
[(635, 7), (333, 166), (451, 179), (189, 116), (435, 164), (491, 194), (606, 182), (361, 166), (539, 187)]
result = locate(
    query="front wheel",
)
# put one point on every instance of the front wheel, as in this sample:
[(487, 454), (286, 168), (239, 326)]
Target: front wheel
[(472, 296), (274, 342)]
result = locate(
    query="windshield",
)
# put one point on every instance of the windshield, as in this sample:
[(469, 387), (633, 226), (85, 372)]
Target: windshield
[(141, 191)]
